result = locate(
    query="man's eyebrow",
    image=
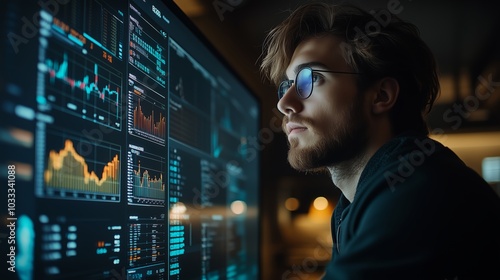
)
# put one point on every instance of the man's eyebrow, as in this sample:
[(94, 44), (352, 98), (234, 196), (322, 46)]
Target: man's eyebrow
[(310, 64), (304, 65)]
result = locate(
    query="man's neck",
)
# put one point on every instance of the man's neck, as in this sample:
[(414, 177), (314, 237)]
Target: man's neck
[(346, 175)]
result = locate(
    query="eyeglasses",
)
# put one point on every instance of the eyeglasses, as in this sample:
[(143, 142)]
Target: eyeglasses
[(304, 82)]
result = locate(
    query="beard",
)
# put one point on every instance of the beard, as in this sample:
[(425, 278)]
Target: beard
[(345, 139)]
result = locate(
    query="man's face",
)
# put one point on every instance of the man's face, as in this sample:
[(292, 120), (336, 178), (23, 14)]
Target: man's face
[(330, 126)]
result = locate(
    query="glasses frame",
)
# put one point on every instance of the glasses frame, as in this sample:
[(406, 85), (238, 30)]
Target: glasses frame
[(290, 82)]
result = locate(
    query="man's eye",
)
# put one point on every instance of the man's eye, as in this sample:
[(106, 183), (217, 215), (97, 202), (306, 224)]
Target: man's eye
[(316, 78)]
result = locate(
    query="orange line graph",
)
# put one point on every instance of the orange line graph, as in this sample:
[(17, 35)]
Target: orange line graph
[(68, 170)]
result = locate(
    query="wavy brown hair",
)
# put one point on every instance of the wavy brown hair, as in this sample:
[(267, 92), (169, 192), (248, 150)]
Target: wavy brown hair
[(387, 47)]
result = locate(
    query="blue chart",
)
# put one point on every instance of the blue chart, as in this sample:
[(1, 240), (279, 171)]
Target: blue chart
[(146, 179), (76, 85)]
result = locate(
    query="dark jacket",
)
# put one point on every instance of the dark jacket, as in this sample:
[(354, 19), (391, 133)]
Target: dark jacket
[(418, 213)]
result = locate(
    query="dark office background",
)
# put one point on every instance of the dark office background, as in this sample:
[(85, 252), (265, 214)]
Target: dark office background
[(465, 38)]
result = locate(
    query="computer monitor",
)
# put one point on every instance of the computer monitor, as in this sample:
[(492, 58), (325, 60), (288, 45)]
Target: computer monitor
[(126, 146)]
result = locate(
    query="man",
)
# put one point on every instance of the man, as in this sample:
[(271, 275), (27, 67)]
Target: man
[(353, 98)]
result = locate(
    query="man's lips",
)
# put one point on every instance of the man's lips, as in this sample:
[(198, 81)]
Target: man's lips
[(293, 128)]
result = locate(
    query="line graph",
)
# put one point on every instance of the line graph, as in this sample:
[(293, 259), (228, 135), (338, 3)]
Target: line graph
[(147, 186), (146, 175), (70, 175), (78, 86), (60, 71)]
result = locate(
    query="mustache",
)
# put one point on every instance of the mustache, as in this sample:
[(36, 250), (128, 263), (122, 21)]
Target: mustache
[(296, 119)]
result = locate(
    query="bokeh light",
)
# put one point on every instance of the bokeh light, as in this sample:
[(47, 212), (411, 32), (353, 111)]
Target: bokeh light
[(292, 204), (320, 203), (238, 207)]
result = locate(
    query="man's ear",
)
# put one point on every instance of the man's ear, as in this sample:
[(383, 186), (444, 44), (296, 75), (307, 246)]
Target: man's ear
[(386, 95)]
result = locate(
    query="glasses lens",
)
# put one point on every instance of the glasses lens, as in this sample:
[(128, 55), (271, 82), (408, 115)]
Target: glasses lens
[(283, 88), (304, 82)]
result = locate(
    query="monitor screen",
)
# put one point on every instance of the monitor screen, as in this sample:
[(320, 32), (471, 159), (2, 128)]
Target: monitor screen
[(127, 146)]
